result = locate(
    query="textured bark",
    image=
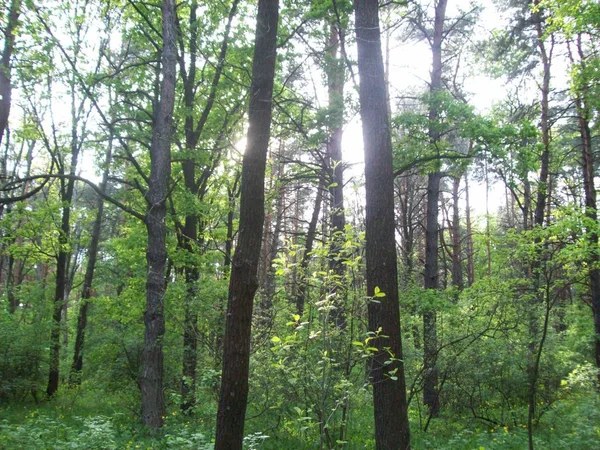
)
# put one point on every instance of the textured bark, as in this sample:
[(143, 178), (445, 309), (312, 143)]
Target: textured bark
[(151, 379), (243, 284), (388, 380), (430, 381), (457, 273), (542, 191), (5, 66), (588, 169)]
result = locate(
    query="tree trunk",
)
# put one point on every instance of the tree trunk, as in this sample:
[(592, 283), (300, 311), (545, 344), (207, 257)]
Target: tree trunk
[(243, 284), (151, 379), (9, 45), (335, 87), (588, 169), (386, 364), (310, 239), (430, 382), (86, 291), (535, 347), (469, 231), (457, 273), (190, 230)]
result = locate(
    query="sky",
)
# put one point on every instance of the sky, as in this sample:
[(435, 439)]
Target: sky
[(410, 65)]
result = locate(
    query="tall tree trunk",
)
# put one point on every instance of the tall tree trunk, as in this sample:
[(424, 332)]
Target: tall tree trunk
[(151, 379), (430, 381), (86, 290), (5, 66), (386, 365), (194, 185), (457, 273), (62, 261), (335, 87), (243, 284), (535, 345), (469, 231), (591, 212)]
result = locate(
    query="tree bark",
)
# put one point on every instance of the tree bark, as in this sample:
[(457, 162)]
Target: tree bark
[(457, 272), (151, 379), (430, 382), (535, 347), (469, 231), (243, 284), (591, 212), (5, 66), (386, 364)]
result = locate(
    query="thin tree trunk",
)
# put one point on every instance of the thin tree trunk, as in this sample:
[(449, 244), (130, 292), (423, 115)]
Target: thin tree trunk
[(469, 249), (335, 87), (86, 291), (457, 273), (151, 379), (535, 347), (310, 238), (243, 284), (430, 382), (386, 364), (194, 185)]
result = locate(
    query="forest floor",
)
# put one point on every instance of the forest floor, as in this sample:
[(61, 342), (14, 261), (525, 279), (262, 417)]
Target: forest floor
[(97, 421)]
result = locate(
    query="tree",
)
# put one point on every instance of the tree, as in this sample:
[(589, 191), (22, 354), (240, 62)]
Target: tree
[(5, 65), (151, 379), (243, 283), (196, 184), (386, 365)]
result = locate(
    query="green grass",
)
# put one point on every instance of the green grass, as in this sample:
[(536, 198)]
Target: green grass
[(92, 420)]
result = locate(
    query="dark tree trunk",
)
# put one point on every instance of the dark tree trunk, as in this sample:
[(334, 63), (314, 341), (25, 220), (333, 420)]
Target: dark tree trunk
[(194, 185), (272, 230), (310, 239), (588, 169), (151, 379), (243, 284), (232, 193), (67, 189), (430, 377), (457, 273), (86, 291), (9, 45), (430, 381), (469, 231), (386, 365), (266, 312), (535, 345), (60, 287)]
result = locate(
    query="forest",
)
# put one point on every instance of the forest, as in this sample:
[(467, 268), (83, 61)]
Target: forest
[(287, 224)]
